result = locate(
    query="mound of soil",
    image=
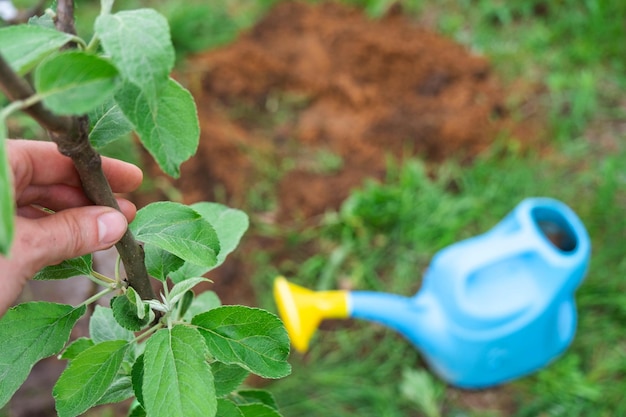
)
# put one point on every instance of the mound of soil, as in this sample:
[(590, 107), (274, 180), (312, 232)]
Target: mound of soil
[(324, 85)]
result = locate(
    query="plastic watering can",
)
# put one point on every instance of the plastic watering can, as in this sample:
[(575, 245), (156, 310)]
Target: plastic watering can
[(492, 308)]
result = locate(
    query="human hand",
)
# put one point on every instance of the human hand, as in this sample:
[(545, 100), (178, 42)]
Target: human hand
[(42, 177)]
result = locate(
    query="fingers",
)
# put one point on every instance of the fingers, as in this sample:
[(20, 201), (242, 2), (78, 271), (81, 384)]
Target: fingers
[(62, 197), (128, 209), (51, 239), (40, 163), (55, 197), (67, 234), (42, 176), (123, 177), (35, 211)]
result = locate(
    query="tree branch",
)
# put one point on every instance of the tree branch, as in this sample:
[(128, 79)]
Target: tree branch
[(71, 135), (64, 21)]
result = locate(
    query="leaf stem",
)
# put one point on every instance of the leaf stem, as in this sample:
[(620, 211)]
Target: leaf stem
[(81, 42), (107, 281), (148, 332), (93, 44), (117, 268), (17, 89), (20, 105), (5, 112), (97, 296), (104, 278)]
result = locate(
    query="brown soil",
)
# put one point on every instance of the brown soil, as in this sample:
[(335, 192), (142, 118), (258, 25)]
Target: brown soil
[(323, 80)]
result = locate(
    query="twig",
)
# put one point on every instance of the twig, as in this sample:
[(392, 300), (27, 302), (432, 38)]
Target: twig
[(64, 20)]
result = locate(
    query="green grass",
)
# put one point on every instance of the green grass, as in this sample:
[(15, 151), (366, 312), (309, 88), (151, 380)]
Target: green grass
[(571, 47), (384, 237)]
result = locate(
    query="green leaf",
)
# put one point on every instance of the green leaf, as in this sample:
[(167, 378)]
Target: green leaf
[(253, 396), (258, 410), (227, 377), (45, 21), (28, 333), (23, 46), (177, 379), (227, 408), (177, 229), (178, 290), (169, 129), (136, 300), (185, 303), (103, 327), (76, 347), (75, 82), (140, 46), (7, 203), (108, 124), (252, 338), (203, 302), (125, 313), (229, 224), (161, 263), (137, 378), (188, 270), (120, 389), (137, 410), (82, 265), (88, 377)]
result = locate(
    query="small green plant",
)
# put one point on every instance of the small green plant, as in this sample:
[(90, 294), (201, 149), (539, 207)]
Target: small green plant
[(177, 354)]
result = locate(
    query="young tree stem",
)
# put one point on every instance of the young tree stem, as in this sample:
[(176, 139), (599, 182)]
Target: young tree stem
[(64, 21)]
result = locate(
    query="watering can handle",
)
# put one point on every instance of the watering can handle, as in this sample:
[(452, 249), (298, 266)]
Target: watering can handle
[(464, 258), (520, 247), (522, 232)]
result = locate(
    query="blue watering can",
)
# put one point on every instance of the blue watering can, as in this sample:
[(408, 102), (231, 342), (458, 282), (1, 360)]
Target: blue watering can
[(492, 308)]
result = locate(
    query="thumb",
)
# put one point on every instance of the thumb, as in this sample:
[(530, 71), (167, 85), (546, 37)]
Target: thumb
[(68, 234)]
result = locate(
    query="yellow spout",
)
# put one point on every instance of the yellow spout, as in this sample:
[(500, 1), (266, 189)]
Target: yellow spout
[(302, 310)]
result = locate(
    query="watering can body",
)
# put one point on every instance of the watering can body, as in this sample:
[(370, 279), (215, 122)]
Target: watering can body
[(491, 308)]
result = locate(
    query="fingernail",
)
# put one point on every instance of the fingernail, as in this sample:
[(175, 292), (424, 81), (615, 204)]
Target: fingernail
[(111, 227)]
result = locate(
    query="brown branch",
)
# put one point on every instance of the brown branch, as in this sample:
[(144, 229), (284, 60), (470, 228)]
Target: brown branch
[(64, 20), (71, 134)]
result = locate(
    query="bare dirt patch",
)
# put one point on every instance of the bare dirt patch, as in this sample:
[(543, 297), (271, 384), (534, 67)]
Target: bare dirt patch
[(309, 82)]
